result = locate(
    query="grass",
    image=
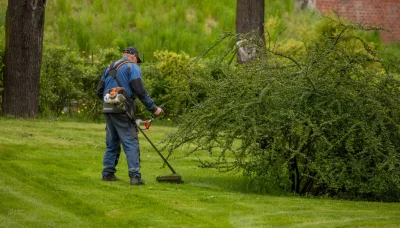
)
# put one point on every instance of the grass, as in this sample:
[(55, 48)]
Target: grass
[(50, 177), (150, 25), (186, 26)]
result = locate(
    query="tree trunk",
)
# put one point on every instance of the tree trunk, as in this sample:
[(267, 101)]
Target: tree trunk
[(249, 18), (23, 57), (295, 175)]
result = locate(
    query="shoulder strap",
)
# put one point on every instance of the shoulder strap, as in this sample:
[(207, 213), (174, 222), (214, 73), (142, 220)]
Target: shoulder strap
[(116, 67), (112, 70)]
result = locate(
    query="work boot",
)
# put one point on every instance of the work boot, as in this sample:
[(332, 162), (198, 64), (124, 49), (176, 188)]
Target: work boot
[(136, 180), (110, 177)]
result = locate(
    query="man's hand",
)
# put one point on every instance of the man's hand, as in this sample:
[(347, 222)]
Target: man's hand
[(158, 111)]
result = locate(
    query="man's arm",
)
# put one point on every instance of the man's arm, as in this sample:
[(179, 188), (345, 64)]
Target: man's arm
[(139, 90), (101, 85), (100, 89)]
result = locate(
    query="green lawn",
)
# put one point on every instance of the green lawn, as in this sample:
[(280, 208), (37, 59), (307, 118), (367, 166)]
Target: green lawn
[(50, 176)]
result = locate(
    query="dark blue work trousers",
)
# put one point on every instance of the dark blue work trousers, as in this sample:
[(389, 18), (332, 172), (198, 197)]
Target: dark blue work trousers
[(121, 130)]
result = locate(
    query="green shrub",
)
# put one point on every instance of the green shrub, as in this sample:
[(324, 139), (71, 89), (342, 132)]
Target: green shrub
[(60, 80), (94, 72), (179, 82), (326, 122), (69, 80), (168, 80)]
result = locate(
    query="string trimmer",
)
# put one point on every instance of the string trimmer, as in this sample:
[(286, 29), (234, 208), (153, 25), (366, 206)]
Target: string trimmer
[(172, 178)]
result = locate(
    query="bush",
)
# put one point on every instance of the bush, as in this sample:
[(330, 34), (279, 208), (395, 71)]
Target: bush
[(91, 79), (69, 80), (323, 123), (60, 80), (176, 80)]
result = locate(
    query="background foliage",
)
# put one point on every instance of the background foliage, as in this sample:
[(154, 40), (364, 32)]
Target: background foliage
[(150, 25), (89, 27), (84, 28), (68, 82)]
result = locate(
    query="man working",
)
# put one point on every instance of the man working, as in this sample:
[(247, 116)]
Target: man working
[(123, 76)]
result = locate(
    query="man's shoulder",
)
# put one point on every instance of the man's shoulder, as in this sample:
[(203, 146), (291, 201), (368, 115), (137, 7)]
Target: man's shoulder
[(128, 64), (134, 68)]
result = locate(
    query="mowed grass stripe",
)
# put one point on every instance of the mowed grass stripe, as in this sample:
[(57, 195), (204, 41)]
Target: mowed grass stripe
[(50, 184)]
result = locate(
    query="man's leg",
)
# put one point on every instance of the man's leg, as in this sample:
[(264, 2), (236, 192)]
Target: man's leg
[(130, 142), (113, 148), (118, 154)]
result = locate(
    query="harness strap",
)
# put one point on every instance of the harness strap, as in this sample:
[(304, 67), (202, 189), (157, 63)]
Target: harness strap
[(112, 70), (112, 67)]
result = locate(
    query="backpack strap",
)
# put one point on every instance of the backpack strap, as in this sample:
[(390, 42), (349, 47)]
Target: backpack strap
[(112, 69)]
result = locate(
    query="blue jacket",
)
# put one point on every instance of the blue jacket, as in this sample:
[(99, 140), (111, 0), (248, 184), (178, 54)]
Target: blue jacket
[(129, 76)]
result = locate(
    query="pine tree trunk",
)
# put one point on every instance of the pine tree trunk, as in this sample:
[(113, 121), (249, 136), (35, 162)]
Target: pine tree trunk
[(23, 57), (249, 18)]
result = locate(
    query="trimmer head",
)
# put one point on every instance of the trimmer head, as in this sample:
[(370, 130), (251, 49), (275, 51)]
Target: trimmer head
[(172, 178)]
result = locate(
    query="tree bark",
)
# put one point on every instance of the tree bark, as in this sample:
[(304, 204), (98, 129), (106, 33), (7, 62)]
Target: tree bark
[(249, 18), (23, 57)]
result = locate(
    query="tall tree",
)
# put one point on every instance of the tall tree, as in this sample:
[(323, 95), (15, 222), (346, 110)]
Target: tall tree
[(23, 57), (249, 19)]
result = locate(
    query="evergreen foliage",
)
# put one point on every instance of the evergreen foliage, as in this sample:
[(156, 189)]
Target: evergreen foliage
[(326, 122)]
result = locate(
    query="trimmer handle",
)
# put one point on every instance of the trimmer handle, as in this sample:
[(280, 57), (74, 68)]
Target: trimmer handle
[(147, 123)]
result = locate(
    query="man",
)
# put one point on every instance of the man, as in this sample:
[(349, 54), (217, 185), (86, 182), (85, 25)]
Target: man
[(120, 129)]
